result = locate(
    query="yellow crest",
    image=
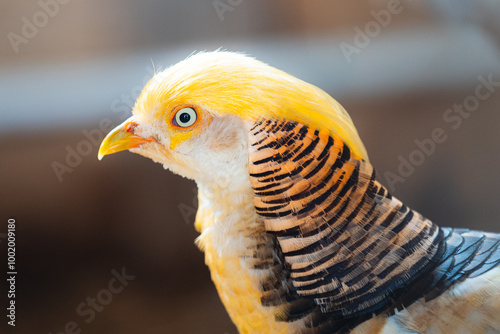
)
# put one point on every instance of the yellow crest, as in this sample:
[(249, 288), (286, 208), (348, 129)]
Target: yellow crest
[(226, 83)]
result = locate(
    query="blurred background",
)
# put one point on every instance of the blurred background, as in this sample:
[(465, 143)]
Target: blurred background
[(70, 70)]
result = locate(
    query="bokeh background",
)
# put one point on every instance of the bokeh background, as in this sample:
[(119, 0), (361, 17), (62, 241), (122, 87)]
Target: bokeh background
[(69, 70)]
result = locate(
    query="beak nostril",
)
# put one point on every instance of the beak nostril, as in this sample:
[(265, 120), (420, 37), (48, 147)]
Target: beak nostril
[(131, 127)]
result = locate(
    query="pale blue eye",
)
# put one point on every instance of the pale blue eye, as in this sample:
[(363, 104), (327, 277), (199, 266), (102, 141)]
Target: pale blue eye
[(185, 117)]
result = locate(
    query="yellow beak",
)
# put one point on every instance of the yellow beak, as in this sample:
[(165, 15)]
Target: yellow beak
[(121, 138)]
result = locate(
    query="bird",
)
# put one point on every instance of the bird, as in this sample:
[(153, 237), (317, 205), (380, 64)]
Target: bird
[(298, 234)]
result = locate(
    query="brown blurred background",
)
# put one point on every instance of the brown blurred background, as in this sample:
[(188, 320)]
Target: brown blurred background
[(82, 63)]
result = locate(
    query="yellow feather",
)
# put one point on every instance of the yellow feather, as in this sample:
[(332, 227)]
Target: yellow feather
[(226, 83)]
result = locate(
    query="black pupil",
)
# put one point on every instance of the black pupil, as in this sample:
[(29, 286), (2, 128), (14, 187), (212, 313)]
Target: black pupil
[(184, 117)]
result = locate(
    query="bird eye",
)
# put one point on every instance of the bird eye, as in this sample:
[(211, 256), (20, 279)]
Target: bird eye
[(185, 117)]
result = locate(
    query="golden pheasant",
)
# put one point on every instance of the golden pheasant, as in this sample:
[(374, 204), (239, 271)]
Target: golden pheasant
[(298, 234)]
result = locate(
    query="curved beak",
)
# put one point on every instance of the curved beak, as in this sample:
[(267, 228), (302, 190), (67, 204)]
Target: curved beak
[(121, 138)]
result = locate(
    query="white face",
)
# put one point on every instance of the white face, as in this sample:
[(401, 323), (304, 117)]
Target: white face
[(211, 147)]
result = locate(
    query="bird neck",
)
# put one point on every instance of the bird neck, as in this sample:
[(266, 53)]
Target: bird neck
[(384, 246), (329, 232), (349, 244), (238, 251), (226, 216)]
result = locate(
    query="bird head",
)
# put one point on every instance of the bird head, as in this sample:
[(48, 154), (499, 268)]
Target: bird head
[(194, 117)]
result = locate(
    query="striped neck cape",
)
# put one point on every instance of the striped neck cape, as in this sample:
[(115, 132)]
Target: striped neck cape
[(348, 250)]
